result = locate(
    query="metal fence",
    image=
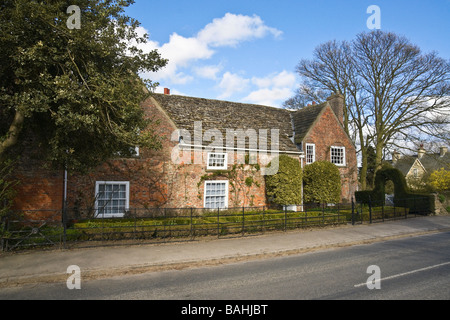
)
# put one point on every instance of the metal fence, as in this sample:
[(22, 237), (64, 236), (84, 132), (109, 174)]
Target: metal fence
[(69, 228)]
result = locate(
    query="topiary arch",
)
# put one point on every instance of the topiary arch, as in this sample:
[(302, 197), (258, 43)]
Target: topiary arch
[(423, 203)]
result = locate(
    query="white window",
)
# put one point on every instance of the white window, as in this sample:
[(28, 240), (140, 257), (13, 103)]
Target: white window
[(112, 198), (217, 161), (216, 194), (338, 156), (310, 153)]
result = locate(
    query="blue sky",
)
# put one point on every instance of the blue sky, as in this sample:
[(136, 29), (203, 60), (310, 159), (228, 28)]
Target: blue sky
[(247, 51)]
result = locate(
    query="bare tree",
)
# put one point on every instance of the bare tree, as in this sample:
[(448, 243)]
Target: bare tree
[(393, 91)]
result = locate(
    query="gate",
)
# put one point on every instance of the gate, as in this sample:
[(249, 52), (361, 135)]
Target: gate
[(29, 229)]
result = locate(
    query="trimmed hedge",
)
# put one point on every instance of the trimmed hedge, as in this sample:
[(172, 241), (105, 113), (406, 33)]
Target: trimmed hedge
[(285, 187), (416, 202), (322, 183)]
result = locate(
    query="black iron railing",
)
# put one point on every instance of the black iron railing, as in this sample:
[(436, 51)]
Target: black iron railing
[(77, 228)]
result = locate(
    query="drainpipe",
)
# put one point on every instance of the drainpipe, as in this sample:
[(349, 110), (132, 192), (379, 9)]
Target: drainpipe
[(302, 156)]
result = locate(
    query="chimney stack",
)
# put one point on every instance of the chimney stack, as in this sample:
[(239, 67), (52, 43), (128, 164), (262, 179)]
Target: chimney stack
[(166, 91), (420, 152), (337, 102), (395, 157), (443, 151)]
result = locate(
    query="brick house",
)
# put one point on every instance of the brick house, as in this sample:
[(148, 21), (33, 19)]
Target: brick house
[(215, 154)]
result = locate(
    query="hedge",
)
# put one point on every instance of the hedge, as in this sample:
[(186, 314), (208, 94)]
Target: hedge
[(285, 187), (322, 182), (416, 202)]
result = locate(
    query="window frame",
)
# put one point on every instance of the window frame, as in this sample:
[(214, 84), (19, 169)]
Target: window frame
[(225, 161), (225, 195), (313, 152), (127, 199), (344, 161)]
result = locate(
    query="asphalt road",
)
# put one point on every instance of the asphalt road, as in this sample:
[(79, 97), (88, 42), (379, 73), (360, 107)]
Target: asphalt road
[(416, 268)]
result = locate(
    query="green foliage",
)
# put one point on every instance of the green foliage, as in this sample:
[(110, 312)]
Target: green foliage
[(74, 88), (417, 202), (285, 187), (440, 180), (322, 182)]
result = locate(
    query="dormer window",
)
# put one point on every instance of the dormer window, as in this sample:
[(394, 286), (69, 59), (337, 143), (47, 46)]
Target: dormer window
[(217, 161)]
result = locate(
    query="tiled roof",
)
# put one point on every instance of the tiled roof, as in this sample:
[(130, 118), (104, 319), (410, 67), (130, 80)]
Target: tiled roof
[(223, 115), (304, 119), (434, 161), (404, 164), (430, 161)]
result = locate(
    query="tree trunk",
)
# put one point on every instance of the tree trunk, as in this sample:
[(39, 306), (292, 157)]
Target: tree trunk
[(363, 172), (378, 158), (12, 135)]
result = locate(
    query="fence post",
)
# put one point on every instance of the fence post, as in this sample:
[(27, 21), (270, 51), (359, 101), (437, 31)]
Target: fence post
[(264, 220), (370, 210), (135, 222), (4, 222), (243, 221), (190, 230), (285, 217), (218, 223), (306, 215), (339, 221), (64, 222), (323, 214), (353, 212)]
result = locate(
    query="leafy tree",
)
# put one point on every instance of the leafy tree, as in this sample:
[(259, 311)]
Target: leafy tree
[(321, 182), (76, 90), (393, 91), (285, 187), (440, 180)]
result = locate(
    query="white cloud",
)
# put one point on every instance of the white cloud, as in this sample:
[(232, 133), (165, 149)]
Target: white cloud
[(233, 29), (273, 89), (183, 52), (231, 84), (282, 79), (269, 96), (208, 72)]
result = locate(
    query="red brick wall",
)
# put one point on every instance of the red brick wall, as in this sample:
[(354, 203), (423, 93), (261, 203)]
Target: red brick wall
[(38, 188), (328, 132), (158, 181)]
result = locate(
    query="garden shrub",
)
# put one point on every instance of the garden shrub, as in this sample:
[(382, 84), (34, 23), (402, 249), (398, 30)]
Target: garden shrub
[(440, 180), (285, 187), (321, 182), (416, 202)]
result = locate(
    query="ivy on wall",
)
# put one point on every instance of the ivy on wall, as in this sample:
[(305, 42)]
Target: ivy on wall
[(241, 178)]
